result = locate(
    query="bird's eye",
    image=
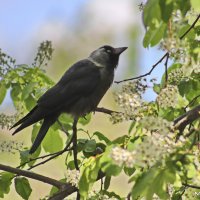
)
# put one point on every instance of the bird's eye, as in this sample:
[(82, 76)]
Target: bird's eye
[(108, 51)]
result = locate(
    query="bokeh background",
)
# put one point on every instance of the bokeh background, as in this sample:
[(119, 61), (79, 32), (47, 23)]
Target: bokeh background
[(75, 27)]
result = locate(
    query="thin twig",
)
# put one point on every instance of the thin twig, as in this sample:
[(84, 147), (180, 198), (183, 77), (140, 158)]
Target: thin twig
[(32, 175), (105, 110), (191, 186), (191, 27), (62, 127), (191, 102), (54, 155), (166, 67), (41, 157), (148, 73), (165, 55)]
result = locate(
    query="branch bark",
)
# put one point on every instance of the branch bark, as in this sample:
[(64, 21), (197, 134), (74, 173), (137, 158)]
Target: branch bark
[(105, 110), (70, 189), (187, 118), (32, 175)]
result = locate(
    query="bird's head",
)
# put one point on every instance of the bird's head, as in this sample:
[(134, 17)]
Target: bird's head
[(107, 56)]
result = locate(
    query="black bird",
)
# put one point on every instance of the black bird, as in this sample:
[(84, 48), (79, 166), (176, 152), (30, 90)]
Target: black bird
[(78, 92)]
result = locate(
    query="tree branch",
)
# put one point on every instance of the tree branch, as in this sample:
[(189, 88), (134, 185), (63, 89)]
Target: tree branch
[(105, 110), (148, 73), (190, 28), (181, 122), (191, 186), (33, 175), (166, 67), (69, 189)]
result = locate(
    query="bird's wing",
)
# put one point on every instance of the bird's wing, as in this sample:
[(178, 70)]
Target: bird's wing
[(80, 80)]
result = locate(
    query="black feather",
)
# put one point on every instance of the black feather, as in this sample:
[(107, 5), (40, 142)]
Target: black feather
[(42, 132)]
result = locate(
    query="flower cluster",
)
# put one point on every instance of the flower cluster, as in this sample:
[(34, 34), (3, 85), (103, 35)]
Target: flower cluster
[(153, 124), (44, 54), (168, 97), (178, 48), (130, 100), (7, 120), (6, 63), (137, 86), (176, 76), (197, 160), (10, 146), (195, 66), (73, 176), (131, 104), (158, 141), (155, 147), (94, 195), (121, 156), (190, 193)]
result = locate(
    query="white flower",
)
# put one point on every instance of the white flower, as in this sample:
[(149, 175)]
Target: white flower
[(73, 177)]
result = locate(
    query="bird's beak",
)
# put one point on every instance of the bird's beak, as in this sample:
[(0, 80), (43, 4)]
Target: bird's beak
[(119, 50)]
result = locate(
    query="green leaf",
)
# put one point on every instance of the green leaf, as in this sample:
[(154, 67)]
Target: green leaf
[(89, 176), (26, 157), (70, 165), (107, 182), (101, 137), (166, 7), (143, 184), (152, 13), (28, 89), (112, 194), (36, 128), (85, 120), (153, 36), (107, 165), (195, 5), (15, 94), (90, 146), (158, 34), (65, 119), (157, 88), (120, 140), (2, 91), (44, 77), (52, 141), (129, 171), (30, 102), (184, 7), (55, 189), (133, 123), (23, 187), (5, 182)]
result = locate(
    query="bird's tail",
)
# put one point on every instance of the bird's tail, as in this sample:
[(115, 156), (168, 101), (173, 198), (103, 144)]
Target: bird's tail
[(32, 117), (42, 132)]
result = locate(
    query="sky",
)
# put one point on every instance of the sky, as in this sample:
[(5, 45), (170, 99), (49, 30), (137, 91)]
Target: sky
[(21, 19)]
